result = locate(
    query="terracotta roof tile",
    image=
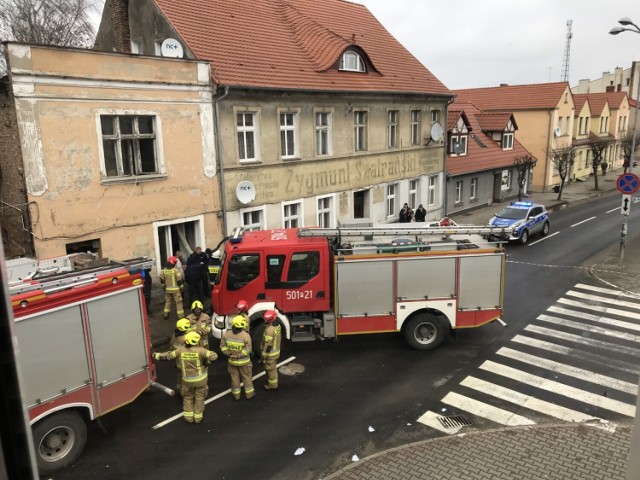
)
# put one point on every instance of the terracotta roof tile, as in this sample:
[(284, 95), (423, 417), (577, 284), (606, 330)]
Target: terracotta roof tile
[(293, 44), (579, 99), (480, 158), (493, 122), (597, 101), (515, 97)]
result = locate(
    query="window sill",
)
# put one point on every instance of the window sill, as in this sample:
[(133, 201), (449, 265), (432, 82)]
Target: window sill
[(249, 162), (133, 179), (290, 159)]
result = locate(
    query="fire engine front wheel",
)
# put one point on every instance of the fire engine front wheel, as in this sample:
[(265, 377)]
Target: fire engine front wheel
[(424, 331), (59, 439)]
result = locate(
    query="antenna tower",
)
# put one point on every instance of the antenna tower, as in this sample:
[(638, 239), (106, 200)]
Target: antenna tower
[(567, 53)]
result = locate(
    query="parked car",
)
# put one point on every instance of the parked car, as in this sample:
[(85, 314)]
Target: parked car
[(525, 219)]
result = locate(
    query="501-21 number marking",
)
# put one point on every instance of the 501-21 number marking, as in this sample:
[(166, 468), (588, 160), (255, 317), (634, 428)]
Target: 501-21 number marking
[(299, 294)]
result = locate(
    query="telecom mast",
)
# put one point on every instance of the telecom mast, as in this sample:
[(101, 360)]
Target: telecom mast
[(567, 53)]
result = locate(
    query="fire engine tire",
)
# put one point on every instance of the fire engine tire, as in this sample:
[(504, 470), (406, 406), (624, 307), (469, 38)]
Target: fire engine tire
[(59, 439), (257, 331), (424, 331)]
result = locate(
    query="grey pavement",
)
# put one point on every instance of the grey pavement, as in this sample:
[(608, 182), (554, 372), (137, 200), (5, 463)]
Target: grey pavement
[(555, 451)]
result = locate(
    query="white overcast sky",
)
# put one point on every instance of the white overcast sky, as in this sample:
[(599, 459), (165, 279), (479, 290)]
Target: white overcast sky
[(482, 43)]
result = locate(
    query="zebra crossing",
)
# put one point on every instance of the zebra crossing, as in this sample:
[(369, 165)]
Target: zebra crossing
[(579, 361)]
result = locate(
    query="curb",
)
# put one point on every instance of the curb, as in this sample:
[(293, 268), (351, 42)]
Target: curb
[(360, 462)]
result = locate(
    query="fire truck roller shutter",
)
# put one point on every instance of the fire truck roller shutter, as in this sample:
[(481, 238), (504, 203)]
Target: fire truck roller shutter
[(59, 439), (480, 282)]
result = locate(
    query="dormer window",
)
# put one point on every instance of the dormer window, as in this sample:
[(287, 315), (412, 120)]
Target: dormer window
[(458, 145), (507, 141), (351, 62)]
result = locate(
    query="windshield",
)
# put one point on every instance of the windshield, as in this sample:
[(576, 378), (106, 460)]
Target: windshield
[(513, 213)]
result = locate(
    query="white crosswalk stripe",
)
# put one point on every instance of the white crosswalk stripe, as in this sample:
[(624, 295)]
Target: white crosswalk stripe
[(580, 356)]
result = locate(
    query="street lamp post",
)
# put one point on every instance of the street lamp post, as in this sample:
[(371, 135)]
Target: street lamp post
[(633, 465)]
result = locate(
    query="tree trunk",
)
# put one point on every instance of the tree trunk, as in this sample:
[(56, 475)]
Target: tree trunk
[(595, 176)]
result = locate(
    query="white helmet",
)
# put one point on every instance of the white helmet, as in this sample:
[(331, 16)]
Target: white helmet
[(216, 254)]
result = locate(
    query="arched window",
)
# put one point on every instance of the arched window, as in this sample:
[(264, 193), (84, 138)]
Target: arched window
[(351, 62)]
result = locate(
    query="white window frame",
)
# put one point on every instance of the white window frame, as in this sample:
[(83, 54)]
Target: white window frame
[(416, 118), (159, 152), (262, 211), (459, 187), (474, 189), (157, 47), (392, 191), (392, 128), (436, 115), (507, 141), (462, 141), (136, 47), (352, 62), (289, 131), (360, 126), (414, 186), (323, 132), (253, 130), (296, 219), (432, 191), (323, 212)]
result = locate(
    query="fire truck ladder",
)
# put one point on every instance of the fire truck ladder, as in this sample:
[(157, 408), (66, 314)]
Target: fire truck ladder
[(62, 281), (443, 232)]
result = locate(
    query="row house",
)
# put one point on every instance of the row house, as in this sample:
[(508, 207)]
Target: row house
[(599, 115), (544, 113), (107, 153), (321, 116), (480, 157)]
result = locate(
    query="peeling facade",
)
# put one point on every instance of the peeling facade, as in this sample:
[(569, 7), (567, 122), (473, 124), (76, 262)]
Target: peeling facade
[(117, 151)]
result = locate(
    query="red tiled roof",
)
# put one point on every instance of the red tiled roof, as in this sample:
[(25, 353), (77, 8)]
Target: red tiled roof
[(479, 158), (515, 97), (579, 99), (597, 101), (615, 99), (494, 122), (294, 44)]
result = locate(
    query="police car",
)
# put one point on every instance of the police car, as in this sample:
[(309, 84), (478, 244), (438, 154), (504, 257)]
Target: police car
[(524, 219)]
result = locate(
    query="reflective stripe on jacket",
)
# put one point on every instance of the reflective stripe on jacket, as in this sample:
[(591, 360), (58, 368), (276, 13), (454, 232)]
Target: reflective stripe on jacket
[(236, 347), (191, 360), (171, 277)]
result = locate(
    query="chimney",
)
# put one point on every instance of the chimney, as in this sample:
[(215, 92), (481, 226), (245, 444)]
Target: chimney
[(120, 25), (504, 84)]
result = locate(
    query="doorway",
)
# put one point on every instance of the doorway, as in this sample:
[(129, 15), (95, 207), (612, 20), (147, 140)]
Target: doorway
[(184, 235), (361, 204)]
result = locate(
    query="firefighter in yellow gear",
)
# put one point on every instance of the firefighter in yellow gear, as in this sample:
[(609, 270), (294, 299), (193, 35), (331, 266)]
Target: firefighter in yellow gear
[(236, 345), (171, 278), (177, 340), (200, 322), (270, 349), (194, 375)]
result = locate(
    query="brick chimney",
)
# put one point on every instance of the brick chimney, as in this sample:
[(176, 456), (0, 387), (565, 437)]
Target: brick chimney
[(120, 25)]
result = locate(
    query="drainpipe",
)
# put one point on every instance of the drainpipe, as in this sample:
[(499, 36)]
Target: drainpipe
[(547, 160), (223, 193)]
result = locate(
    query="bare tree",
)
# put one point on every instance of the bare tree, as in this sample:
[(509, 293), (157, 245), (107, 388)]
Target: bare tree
[(524, 164), (65, 23), (626, 144), (598, 146), (562, 162)]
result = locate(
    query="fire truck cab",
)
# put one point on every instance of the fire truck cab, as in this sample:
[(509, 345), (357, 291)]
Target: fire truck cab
[(422, 282)]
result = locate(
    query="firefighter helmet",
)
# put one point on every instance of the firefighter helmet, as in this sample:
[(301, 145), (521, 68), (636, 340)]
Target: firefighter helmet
[(197, 304), (270, 316), (239, 322), (242, 306), (192, 338), (172, 260), (216, 254), (183, 324)]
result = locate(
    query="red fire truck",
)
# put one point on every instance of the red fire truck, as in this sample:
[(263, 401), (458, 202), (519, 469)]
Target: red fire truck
[(324, 283), (83, 350)]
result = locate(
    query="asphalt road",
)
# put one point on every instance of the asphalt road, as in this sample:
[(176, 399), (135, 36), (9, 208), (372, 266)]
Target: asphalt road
[(347, 386)]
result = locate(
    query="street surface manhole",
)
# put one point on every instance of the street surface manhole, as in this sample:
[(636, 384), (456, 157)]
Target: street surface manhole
[(291, 369), (454, 421)]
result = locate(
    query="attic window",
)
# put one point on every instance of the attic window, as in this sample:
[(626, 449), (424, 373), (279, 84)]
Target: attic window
[(351, 62), (478, 141)]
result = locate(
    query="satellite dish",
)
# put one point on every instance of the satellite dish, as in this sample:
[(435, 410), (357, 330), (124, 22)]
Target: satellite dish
[(436, 132), (171, 48), (246, 192), (557, 132)]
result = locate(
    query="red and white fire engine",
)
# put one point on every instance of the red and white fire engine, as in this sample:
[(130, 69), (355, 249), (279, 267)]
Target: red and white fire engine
[(83, 350), (324, 283)]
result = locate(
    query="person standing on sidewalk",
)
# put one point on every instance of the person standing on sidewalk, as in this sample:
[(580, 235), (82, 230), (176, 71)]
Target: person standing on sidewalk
[(236, 345), (171, 279), (195, 379), (270, 349)]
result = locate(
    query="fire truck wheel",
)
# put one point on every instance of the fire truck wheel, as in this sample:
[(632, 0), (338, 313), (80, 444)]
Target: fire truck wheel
[(424, 331), (257, 331), (59, 439)]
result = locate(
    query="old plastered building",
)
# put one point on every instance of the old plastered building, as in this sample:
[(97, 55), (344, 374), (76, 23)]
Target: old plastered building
[(322, 115), (115, 152)]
